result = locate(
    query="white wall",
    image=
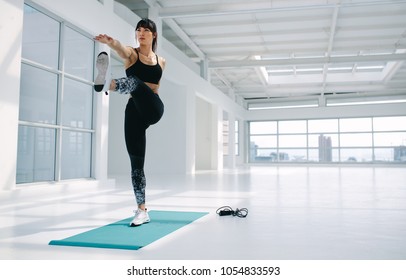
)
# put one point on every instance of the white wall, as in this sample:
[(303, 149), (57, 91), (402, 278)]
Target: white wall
[(118, 160), (11, 26), (167, 141), (209, 136), (204, 135)]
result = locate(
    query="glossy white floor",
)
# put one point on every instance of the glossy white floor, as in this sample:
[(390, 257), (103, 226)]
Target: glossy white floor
[(295, 212)]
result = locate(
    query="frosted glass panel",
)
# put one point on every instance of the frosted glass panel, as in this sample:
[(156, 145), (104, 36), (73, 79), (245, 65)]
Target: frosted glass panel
[(318, 126), (292, 127), (386, 154), (79, 54), (356, 124), (264, 141), (36, 154), (40, 38), (317, 155), (38, 95), (390, 139), (389, 123), (295, 155), (263, 127), (290, 141), (356, 140), (76, 155), (356, 155), (77, 104), (264, 155)]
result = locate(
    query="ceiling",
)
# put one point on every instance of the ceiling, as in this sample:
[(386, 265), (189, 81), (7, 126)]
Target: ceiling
[(308, 52)]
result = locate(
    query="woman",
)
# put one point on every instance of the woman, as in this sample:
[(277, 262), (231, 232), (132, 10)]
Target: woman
[(144, 108)]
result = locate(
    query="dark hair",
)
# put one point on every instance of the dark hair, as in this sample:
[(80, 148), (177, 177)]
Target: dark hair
[(147, 23)]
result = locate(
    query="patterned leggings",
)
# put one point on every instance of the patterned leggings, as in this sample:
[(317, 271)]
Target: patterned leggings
[(143, 109)]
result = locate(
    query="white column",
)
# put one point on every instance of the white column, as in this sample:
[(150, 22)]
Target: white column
[(217, 132), (204, 69), (231, 141), (190, 132)]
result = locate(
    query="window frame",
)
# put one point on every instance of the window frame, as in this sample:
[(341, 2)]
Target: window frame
[(279, 152), (62, 76)]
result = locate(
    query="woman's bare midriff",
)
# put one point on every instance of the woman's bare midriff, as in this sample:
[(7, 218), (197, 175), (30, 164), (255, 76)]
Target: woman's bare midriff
[(154, 87)]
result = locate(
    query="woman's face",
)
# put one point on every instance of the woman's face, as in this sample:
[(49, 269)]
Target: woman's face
[(144, 36)]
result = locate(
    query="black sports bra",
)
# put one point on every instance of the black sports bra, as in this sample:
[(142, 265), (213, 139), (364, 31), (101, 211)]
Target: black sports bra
[(147, 73)]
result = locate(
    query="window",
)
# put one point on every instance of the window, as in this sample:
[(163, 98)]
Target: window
[(323, 126), (355, 124), (56, 101), (372, 139), (390, 123), (236, 137), (36, 154), (263, 141), (292, 127)]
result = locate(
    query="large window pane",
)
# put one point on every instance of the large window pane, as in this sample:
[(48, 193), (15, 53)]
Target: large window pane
[(296, 155), (77, 104), (40, 38), (292, 141), (264, 141), (292, 127), (389, 123), (399, 154), (76, 155), (36, 154), (333, 140), (356, 140), (79, 54), (263, 127), (38, 95), (264, 155), (316, 140), (384, 154), (356, 125), (356, 155), (390, 139), (316, 155), (323, 126)]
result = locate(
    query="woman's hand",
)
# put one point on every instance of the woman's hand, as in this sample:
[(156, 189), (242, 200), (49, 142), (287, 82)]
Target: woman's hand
[(122, 51), (104, 39)]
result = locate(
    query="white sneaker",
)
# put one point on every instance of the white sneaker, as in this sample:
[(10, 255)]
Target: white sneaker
[(103, 71), (141, 217)]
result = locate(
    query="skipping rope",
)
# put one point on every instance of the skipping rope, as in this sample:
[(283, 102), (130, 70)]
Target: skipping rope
[(228, 211)]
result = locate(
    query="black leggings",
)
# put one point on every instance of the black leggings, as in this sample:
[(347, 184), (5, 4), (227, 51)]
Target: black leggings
[(143, 109)]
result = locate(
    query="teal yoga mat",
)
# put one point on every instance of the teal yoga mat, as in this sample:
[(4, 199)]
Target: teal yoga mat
[(119, 235)]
